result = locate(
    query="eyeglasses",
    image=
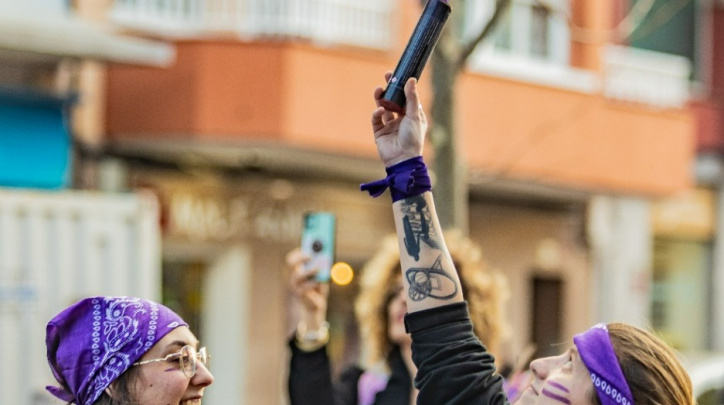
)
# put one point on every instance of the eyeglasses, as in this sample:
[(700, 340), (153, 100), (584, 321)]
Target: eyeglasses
[(187, 359)]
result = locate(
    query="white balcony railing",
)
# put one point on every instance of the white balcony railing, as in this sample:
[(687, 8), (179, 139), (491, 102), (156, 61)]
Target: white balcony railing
[(636, 75), (367, 23)]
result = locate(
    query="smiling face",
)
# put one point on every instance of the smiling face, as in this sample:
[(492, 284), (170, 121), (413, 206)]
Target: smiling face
[(559, 380), (164, 383)]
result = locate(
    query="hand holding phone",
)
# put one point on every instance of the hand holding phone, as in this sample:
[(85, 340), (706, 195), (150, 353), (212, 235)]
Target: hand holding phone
[(318, 240)]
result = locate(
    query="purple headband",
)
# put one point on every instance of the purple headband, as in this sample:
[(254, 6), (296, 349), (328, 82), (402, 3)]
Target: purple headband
[(597, 354), (95, 340)]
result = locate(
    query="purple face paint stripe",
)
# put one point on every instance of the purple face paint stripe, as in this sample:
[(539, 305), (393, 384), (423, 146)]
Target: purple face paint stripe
[(556, 397), (559, 386)]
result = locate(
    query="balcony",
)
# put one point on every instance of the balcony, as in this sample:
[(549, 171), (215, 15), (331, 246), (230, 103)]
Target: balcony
[(640, 76), (366, 23), (42, 32)]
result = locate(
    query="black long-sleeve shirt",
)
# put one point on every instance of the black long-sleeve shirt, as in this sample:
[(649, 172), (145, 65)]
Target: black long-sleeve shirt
[(453, 367), (310, 380)]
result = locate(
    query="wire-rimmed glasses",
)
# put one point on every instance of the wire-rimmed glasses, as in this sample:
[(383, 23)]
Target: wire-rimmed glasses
[(187, 358)]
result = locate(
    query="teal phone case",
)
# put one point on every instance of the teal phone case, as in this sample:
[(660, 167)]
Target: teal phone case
[(318, 238)]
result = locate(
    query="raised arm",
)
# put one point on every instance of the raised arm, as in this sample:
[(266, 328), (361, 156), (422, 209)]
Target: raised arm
[(453, 366), (310, 371), (427, 269)]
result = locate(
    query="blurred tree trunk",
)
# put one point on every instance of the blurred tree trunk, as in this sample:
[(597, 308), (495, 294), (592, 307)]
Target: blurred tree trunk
[(446, 63)]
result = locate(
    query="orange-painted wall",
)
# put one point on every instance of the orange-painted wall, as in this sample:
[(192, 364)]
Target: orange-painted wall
[(223, 91), (557, 136), (214, 90), (241, 90)]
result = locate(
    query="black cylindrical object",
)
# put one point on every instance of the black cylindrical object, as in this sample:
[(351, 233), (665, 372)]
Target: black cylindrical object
[(418, 50)]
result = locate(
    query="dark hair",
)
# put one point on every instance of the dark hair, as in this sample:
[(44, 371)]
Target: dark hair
[(123, 389)]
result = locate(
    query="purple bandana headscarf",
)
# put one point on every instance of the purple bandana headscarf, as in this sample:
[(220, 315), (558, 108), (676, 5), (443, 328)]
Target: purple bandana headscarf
[(597, 354), (95, 340)]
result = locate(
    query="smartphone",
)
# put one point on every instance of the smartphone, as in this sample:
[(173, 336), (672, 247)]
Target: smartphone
[(318, 237)]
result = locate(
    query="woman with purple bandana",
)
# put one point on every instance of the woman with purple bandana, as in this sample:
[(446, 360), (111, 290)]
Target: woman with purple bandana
[(123, 350), (614, 364)]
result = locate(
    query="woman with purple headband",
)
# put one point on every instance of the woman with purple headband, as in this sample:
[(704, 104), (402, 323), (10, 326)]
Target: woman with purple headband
[(125, 350), (614, 364)]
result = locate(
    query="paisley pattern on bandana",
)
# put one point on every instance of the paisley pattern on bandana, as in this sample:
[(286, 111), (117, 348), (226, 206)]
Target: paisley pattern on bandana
[(120, 329), (96, 340)]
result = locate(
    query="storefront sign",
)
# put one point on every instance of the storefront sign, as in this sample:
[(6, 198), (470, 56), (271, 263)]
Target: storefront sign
[(202, 217), (687, 215)]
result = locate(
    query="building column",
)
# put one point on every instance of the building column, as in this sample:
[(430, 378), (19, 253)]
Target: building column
[(709, 169), (226, 314), (717, 277), (619, 232)]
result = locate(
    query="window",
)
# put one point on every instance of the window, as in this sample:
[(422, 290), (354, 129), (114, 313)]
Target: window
[(680, 292), (670, 26), (540, 29), (529, 30), (546, 315)]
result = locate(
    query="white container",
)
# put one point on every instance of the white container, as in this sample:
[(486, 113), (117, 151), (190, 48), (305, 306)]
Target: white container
[(58, 247)]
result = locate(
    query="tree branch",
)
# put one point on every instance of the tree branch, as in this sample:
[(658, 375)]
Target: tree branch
[(467, 49)]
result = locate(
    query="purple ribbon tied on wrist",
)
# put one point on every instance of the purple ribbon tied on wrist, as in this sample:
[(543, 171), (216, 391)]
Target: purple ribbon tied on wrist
[(405, 179)]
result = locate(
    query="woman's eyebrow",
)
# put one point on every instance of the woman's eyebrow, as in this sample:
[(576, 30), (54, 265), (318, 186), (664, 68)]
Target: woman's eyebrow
[(182, 343)]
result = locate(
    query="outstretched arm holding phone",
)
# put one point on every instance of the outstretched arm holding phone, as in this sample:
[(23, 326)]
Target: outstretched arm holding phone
[(310, 371), (383, 373), (453, 366)]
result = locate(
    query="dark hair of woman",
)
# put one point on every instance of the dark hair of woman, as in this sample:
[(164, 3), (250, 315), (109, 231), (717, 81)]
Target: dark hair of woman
[(122, 389)]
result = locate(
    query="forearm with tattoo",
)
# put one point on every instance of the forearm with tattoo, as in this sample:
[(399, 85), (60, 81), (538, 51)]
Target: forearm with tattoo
[(430, 277)]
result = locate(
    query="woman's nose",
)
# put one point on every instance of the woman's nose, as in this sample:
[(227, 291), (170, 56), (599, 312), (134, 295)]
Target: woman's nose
[(542, 367), (203, 376), (539, 369)]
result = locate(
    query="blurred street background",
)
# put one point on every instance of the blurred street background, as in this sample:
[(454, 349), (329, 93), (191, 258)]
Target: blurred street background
[(169, 148)]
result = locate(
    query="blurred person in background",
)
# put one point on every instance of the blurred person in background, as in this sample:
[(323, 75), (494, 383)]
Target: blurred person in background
[(384, 372), (609, 364), (125, 350)]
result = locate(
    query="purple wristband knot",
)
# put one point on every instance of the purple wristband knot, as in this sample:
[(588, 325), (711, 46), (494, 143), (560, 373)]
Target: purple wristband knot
[(405, 179)]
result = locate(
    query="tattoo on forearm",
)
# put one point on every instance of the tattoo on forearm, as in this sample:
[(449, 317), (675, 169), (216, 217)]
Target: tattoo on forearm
[(430, 282), (416, 224)]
